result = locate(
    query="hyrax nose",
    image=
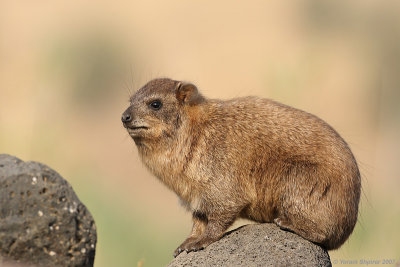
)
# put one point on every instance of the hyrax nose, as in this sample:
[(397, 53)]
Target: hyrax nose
[(126, 117)]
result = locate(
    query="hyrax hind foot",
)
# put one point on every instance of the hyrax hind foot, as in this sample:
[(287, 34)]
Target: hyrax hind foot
[(284, 224), (194, 244)]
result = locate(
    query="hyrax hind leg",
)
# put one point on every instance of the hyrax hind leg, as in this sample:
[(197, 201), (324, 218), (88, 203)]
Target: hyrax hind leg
[(303, 227)]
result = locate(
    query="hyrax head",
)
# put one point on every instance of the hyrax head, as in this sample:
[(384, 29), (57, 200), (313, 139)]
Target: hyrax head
[(156, 108)]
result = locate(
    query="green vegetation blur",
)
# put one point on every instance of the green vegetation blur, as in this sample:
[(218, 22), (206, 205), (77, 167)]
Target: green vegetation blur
[(67, 69)]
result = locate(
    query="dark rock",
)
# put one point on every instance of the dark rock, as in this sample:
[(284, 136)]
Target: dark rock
[(42, 221), (257, 245)]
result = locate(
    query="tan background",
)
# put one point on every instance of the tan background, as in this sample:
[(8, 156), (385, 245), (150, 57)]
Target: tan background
[(67, 69)]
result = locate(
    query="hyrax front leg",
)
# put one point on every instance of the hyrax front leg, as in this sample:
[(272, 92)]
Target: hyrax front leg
[(199, 225), (211, 228)]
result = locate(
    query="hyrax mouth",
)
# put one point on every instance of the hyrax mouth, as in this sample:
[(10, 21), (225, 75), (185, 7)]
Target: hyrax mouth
[(135, 128), (136, 131)]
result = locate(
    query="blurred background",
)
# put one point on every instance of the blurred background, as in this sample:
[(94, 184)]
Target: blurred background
[(67, 69)]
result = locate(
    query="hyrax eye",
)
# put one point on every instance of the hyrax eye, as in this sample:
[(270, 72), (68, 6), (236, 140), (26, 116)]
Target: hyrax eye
[(155, 105)]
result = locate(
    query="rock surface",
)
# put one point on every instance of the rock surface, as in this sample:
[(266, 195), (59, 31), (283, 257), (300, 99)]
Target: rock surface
[(257, 245), (42, 221)]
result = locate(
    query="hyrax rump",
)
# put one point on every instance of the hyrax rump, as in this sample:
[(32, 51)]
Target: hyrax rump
[(245, 157)]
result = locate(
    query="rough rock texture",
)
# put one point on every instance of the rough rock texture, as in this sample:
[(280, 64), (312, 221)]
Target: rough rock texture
[(257, 245), (42, 221)]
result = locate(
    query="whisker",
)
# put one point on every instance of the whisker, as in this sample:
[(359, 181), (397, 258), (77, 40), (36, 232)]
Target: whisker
[(132, 81)]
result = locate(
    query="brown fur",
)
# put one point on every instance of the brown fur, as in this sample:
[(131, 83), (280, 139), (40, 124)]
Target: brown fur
[(246, 157)]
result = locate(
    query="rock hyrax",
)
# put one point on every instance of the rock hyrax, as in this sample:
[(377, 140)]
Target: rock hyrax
[(246, 157)]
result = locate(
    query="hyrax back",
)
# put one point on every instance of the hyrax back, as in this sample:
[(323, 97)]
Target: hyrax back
[(246, 157)]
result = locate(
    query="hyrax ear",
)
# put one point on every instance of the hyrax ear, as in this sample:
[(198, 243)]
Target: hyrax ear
[(187, 93)]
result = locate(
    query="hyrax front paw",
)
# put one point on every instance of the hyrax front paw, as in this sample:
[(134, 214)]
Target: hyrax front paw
[(193, 245), (177, 252), (184, 246), (188, 246)]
